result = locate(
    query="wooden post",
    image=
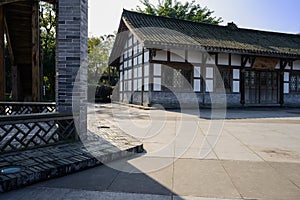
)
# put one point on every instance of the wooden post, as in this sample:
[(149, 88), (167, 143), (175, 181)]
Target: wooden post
[(143, 77), (35, 53), (283, 64), (203, 74), (2, 64), (244, 61)]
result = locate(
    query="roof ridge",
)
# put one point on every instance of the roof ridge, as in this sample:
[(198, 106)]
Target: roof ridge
[(169, 18), (207, 24)]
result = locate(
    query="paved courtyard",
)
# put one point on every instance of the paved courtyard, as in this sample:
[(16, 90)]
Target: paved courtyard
[(251, 154)]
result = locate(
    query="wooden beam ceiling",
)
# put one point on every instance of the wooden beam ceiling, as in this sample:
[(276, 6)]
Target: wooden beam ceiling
[(3, 2)]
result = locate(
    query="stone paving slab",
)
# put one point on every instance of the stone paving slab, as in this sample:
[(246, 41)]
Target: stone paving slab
[(259, 180), (71, 194), (208, 179)]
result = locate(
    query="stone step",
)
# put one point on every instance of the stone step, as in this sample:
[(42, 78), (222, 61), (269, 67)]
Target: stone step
[(58, 160)]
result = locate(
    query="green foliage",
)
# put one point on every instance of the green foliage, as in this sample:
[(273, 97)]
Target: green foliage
[(48, 44), (175, 9), (98, 54)]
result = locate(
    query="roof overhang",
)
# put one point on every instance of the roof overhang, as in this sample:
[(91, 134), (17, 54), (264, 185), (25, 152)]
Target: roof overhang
[(154, 32)]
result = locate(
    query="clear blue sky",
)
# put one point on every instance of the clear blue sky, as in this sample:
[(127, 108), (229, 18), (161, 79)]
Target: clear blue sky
[(271, 15)]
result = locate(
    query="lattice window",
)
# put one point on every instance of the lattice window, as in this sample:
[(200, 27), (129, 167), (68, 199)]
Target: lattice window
[(295, 82), (225, 80), (176, 79)]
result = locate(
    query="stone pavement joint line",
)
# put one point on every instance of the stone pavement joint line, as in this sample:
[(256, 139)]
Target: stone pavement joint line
[(59, 160)]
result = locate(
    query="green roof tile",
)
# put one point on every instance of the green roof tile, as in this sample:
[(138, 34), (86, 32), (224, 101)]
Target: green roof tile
[(162, 32)]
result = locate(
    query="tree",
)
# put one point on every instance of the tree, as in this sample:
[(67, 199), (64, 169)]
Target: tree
[(48, 45), (175, 9), (99, 73), (98, 54)]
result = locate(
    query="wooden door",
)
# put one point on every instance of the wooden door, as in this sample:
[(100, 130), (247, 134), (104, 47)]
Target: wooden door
[(261, 87)]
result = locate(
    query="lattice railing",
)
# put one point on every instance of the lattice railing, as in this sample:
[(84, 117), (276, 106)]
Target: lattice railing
[(29, 131), (21, 108)]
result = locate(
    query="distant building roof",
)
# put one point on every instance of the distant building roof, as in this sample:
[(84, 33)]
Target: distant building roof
[(162, 32)]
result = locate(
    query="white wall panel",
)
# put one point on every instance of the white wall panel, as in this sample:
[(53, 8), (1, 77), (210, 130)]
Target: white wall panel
[(286, 88), (146, 84), (209, 85), (135, 85), (146, 56), (286, 76), (161, 55), (139, 84), (178, 55), (157, 84), (197, 72), (236, 86), (235, 60), (236, 74), (194, 57), (197, 86), (211, 60), (157, 70), (209, 72), (146, 70), (223, 59), (140, 71), (129, 74), (296, 65)]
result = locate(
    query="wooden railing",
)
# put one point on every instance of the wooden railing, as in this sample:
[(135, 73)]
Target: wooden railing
[(21, 108), (35, 130)]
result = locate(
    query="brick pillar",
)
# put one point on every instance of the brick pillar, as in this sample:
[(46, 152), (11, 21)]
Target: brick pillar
[(71, 68)]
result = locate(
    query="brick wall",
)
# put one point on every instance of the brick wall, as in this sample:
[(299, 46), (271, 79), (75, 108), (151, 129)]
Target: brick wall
[(292, 100), (72, 33)]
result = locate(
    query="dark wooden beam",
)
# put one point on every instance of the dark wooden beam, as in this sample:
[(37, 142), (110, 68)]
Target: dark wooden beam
[(36, 85), (3, 2), (143, 77), (283, 64), (10, 50), (244, 61), (14, 68), (2, 64)]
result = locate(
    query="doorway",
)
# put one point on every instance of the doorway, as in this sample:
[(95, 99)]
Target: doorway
[(261, 87)]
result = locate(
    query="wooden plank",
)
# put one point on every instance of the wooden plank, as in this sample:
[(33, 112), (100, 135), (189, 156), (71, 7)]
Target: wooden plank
[(35, 53), (2, 64)]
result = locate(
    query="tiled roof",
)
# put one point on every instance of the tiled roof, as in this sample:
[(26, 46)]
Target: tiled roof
[(162, 32)]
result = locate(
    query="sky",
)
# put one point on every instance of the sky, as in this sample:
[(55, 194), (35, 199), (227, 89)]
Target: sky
[(269, 15)]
